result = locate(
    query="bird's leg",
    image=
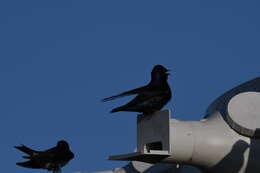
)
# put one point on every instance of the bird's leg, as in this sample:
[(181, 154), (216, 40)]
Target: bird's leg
[(147, 115), (57, 170)]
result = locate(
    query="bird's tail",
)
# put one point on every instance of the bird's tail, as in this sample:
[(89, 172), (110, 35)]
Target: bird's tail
[(121, 108), (26, 150), (27, 157), (126, 93), (113, 97), (23, 164), (27, 164)]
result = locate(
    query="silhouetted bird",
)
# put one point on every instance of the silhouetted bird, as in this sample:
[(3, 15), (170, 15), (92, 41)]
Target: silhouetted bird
[(52, 159), (150, 98)]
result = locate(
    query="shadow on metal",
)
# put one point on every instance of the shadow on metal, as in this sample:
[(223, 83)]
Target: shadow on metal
[(232, 157)]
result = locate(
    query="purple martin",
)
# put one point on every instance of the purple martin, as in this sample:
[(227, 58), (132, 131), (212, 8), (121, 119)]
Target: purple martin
[(151, 97), (52, 159)]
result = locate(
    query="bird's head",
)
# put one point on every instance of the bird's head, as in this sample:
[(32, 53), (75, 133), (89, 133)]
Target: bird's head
[(63, 144), (159, 72)]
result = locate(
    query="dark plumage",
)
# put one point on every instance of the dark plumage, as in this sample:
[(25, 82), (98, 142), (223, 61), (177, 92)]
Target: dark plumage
[(52, 159), (151, 97)]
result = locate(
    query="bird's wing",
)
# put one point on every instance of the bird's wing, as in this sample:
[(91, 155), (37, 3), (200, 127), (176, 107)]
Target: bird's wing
[(130, 92), (145, 98), (44, 156), (51, 150), (143, 103), (27, 150)]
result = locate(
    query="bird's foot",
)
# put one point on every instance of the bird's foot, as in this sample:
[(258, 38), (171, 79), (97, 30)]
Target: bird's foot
[(57, 171)]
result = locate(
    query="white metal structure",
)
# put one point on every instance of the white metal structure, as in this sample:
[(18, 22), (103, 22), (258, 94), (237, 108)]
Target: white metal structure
[(226, 140)]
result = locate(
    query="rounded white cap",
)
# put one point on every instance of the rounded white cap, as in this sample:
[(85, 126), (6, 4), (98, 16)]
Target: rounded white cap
[(243, 113)]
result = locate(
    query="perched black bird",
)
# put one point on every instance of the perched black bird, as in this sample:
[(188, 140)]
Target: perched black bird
[(52, 159), (151, 97)]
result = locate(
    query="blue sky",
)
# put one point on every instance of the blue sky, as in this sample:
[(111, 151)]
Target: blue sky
[(58, 59)]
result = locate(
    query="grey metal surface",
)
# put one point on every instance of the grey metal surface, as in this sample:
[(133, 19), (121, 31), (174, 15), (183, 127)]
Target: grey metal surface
[(213, 145), (153, 139), (153, 131)]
